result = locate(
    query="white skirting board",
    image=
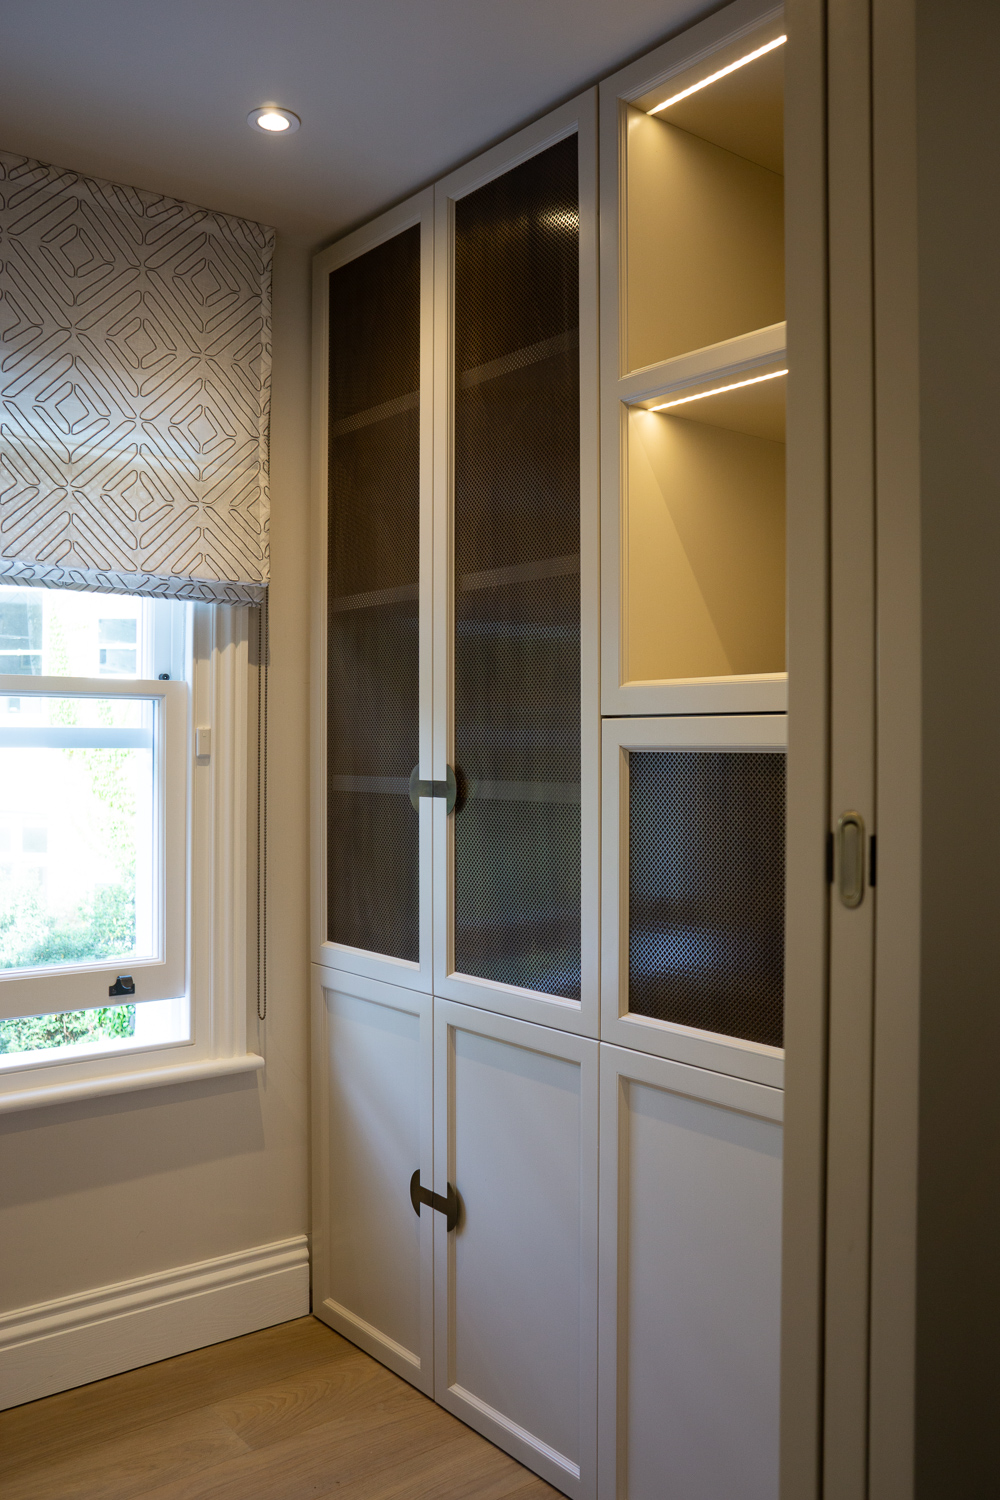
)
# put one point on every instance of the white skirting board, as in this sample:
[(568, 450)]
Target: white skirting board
[(54, 1346)]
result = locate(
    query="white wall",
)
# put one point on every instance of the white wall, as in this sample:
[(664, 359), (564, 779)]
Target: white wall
[(106, 1190)]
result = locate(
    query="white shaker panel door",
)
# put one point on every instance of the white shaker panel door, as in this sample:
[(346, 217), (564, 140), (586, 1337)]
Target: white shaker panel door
[(373, 1255), (516, 1281), (690, 1282)]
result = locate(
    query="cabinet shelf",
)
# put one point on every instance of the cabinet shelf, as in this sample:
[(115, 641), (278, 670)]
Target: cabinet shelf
[(383, 412), (374, 598), (528, 572), (731, 359), (520, 359)]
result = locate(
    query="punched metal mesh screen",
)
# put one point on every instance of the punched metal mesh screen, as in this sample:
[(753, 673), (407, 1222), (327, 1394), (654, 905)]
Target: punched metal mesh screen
[(706, 890), (517, 577), (374, 534)]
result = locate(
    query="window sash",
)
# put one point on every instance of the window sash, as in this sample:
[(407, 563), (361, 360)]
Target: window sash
[(64, 987), (222, 682)]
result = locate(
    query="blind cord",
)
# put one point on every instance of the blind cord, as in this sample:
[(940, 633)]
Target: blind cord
[(263, 651)]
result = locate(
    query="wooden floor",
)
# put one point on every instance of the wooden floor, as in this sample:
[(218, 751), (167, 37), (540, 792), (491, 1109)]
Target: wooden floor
[(289, 1413)]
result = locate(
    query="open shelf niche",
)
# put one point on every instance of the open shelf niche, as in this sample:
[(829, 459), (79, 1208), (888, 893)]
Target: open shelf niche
[(705, 536), (701, 394), (705, 204)]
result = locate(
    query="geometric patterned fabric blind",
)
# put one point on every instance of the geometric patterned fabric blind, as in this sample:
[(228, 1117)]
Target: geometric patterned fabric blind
[(135, 364)]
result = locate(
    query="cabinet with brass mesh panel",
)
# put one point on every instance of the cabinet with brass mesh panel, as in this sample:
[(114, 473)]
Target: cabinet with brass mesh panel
[(693, 372), (516, 715), (588, 918), (373, 366), (693, 378)]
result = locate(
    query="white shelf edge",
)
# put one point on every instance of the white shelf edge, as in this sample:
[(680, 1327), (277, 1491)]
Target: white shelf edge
[(732, 357)]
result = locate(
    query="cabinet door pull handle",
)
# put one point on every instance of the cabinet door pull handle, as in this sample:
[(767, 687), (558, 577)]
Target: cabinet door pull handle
[(448, 1206), (851, 859), (447, 789)]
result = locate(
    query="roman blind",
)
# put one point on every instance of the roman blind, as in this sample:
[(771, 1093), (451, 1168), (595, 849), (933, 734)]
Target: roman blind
[(135, 359)]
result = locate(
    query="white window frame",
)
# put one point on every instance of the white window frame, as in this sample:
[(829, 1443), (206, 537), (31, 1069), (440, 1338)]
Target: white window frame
[(214, 899), (162, 976)]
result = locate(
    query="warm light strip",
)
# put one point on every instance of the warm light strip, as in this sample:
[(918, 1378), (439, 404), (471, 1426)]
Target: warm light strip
[(720, 390), (740, 62)]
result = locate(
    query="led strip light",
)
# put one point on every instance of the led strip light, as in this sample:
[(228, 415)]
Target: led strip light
[(719, 390), (740, 62)]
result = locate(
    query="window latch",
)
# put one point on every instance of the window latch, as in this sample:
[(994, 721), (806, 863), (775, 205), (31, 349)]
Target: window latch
[(123, 985)]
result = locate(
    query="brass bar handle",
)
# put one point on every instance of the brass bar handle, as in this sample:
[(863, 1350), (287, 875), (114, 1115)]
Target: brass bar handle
[(851, 859), (447, 789), (448, 1206)]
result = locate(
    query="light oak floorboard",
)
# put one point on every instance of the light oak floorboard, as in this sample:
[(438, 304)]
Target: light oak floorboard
[(290, 1413)]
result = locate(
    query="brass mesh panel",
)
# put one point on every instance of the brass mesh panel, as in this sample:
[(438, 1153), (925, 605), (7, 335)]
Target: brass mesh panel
[(372, 663), (517, 588), (707, 890)]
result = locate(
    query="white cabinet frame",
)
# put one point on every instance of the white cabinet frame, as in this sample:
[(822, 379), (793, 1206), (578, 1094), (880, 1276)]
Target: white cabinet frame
[(703, 1049), (578, 1480), (579, 117), (414, 1365), (620, 1069), (622, 387), (417, 210)]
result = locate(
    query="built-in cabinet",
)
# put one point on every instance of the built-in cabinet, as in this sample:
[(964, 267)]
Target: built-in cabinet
[(549, 947)]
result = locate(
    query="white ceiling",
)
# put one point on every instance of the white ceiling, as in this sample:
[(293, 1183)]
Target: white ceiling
[(392, 93)]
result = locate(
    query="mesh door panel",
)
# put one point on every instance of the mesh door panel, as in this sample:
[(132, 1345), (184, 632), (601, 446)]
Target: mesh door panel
[(372, 661), (706, 898), (517, 585)]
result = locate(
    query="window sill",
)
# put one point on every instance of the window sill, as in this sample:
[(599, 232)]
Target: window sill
[(127, 1083)]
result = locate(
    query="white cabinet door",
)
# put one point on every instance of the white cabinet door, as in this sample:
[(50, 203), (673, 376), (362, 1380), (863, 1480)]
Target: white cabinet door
[(516, 1282), (372, 1103), (690, 1282), (372, 575), (516, 576), (693, 841)]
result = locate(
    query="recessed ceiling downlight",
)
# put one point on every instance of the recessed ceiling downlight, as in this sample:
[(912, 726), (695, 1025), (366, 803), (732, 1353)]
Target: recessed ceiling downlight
[(273, 119)]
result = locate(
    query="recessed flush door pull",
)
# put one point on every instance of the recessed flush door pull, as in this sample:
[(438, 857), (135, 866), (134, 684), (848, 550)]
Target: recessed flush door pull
[(851, 859), (447, 1206), (447, 789)]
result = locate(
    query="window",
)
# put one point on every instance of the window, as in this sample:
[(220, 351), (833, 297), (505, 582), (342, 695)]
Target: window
[(98, 872), (20, 632)]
